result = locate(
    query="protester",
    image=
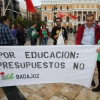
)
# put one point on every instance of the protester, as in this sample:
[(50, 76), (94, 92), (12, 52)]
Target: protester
[(6, 38), (88, 34), (20, 34), (98, 66), (57, 29), (13, 30), (96, 22), (44, 34), (39, 35), (14, 33), (79, 25), (25, 34), (74, 31), (33, 34), (67, 29)]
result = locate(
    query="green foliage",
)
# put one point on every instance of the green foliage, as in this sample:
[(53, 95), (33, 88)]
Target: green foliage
[(39, 23), (23, 21)]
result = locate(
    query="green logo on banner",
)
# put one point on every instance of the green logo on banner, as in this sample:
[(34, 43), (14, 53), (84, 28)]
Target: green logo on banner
[(7, 77)]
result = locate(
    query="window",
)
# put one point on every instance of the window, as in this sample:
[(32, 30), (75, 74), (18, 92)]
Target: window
[(67, 8), (17, 6), (67, 19), (75, 27), (45, 8), (54, 7), (78, 18), (33, 16), (45, 18), (67, 27), (83, 18), (99, 18), (89, 12), (60, 7)]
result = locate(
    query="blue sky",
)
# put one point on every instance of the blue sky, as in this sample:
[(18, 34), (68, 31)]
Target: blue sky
[(35, 2)]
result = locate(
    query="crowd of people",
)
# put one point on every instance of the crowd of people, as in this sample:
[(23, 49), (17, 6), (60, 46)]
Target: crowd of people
[(86, 34), (11, 36)]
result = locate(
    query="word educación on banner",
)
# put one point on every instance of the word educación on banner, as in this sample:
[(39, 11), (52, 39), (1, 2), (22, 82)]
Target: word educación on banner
[(40, 55)]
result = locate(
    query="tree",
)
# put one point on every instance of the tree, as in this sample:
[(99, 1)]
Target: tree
[(23, 21)]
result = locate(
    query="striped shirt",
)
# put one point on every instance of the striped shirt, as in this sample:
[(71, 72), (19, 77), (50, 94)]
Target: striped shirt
[(88, 36), (6, 37)]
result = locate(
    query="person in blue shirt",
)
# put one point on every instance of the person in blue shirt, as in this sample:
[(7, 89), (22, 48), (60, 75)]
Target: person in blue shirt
[(13, 30), (14, 33), (6, 37)]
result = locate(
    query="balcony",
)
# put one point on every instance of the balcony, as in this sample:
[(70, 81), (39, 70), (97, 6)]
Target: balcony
[(16, 5), (14, 8)]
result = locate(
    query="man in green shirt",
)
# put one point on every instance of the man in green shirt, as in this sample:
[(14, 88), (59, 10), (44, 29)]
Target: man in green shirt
[(97, 89), (33, 34)]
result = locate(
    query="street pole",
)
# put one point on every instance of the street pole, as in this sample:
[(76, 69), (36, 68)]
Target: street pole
[(41, 13), (12, 11), (27, 18), (29, 15), (3, 6), (54, 18), (6, 7), (55, 8)]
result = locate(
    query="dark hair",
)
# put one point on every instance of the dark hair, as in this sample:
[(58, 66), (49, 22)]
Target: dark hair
[(19, 23), (89, 15), (14, 26), (33, 23), (43, 24), (58, 18), (3, 18), (96, 21), (79, 24)]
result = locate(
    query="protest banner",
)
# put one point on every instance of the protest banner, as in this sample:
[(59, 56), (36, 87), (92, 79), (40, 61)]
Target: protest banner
[(23, 65)]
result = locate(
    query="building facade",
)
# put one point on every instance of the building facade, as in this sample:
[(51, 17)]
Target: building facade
[(78, 8), (12, 10)]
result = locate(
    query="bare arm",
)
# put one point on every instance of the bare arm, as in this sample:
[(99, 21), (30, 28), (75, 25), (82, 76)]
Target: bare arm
[(65, 42), (98, 50), (56, 36)]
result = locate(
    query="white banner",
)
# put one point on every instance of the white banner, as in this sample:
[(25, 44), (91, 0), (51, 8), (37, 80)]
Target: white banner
[(24, 65)]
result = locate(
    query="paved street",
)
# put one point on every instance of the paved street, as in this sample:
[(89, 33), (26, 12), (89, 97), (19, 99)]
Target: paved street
[(55, 91), (71, 39)]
